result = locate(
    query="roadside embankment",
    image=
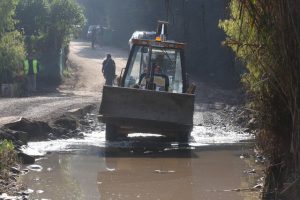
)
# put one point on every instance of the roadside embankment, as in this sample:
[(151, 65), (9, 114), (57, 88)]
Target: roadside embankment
[(19, 132), (64, 126)]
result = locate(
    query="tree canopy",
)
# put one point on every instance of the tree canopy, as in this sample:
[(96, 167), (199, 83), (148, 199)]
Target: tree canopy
[(7, 12), (45, 26), (12, 49), (50, 23)]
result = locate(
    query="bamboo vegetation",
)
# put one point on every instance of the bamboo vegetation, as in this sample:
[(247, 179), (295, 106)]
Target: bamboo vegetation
[(265, 36)]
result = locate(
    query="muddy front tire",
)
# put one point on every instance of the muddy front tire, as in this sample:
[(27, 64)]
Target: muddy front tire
[(111, 133), (183, 137)]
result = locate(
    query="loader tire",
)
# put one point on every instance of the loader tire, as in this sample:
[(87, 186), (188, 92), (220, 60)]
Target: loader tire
[(183, 137), (111, 133)]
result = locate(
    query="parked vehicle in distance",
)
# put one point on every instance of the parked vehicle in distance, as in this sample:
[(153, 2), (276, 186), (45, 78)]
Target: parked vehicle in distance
[(90, 30)]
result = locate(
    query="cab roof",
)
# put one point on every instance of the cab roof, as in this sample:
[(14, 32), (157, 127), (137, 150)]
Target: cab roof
[(162, 44)]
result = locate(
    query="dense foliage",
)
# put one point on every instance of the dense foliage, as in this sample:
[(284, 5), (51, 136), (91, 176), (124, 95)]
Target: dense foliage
[(66, 19), (7, 12), (265, 35), (11, 43), (12, 53), (49, 24), (40, 26)]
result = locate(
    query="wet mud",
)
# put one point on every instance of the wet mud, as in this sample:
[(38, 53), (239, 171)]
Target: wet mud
[(152, 172), (214, 164)]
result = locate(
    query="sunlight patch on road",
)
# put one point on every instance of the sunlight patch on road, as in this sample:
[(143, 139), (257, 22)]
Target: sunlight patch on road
[(202, 135), (41, 148)]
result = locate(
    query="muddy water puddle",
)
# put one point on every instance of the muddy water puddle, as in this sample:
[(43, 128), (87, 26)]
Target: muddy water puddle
[(144, 173), (209, 167)]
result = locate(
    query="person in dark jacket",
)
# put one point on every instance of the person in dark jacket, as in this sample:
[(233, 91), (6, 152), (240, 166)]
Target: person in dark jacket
[(109, 70)]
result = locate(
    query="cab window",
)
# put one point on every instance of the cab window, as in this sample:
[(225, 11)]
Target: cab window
[(168, 62), (137, 65)]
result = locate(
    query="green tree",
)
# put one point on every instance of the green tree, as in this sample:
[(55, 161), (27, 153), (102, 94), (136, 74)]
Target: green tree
[(12, 53), (7, 12), (66, 20), (8, 158), (49, 25), (11, 42), (32, 16)]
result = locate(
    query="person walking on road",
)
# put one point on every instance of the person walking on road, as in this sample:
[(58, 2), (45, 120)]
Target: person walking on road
[(94, 37), (109, 70), (31, 69)]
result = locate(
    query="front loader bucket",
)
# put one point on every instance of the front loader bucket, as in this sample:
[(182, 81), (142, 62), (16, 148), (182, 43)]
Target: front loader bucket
[(122, 104)]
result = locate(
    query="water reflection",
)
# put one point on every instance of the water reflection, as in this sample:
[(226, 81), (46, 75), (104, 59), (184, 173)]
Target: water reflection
[(147, 174), (57, 183), (141, 171)]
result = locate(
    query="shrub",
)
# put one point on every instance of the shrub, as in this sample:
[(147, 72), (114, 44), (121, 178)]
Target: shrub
[(7, 157), (12, 53)]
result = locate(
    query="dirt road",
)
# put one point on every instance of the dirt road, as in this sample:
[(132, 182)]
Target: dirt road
[(88, 62), (214, 107), (84, 88)]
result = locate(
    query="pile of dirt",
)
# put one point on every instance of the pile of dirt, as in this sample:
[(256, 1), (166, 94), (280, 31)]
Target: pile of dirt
[(69, 125)]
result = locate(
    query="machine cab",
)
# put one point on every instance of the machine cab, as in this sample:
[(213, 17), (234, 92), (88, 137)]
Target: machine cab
[(156, 65)]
